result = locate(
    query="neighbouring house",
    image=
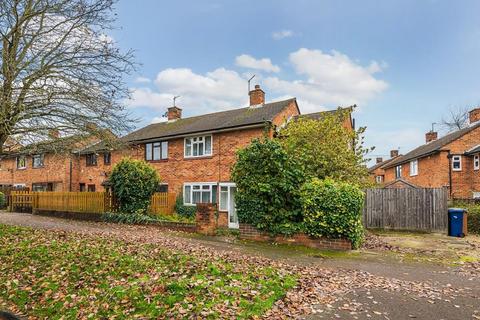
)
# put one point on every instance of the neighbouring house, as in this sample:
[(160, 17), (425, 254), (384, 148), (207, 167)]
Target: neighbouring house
[(193, 155), (377, 173), (50, 165), (451, 161)]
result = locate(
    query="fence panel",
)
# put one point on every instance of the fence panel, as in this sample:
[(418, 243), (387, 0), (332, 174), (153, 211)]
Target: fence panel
[(20, 200), (406, 209), (92, 202), (163, 203)]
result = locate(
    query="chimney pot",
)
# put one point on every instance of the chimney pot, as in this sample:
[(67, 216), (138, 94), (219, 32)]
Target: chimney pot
[(431, 136), (474, 115), (379, 160), (257, 96), (393, 153), (174, 113)]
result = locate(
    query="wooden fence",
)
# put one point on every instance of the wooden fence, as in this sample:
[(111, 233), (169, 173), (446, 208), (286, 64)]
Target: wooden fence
[(82, 202), (163, 203), (407, 209)]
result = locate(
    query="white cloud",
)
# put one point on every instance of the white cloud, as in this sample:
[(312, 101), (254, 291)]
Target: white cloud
[(320, 81), (250, 62), (159, 119), (282, 34), (142, 80), (329, 79)]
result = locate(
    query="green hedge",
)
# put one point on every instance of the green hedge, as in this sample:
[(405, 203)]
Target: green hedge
[(333, 210), (473, 217), (183, 210)]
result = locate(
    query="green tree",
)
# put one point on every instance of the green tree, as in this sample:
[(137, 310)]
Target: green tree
[(268, 181), (133, 184), (326, 149)]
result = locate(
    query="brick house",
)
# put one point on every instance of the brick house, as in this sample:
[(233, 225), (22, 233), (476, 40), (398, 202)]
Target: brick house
[(193, 155), (452, 161), (377, 172)]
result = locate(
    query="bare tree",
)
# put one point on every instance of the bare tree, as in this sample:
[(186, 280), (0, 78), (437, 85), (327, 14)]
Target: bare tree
[(456, 119), (60, 71)]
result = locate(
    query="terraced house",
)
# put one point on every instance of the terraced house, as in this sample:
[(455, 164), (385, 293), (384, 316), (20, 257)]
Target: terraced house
[(451, 161), (193, 155)]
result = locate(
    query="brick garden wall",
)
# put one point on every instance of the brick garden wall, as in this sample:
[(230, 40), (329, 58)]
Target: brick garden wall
[(249, 232)]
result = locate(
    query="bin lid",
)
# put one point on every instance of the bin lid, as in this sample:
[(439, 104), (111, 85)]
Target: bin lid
[(456, 210)]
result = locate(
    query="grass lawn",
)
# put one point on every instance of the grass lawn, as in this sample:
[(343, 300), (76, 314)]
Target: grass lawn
[(47, 274)]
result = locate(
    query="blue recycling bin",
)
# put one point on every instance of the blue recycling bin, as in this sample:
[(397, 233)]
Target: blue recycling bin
[(456, 221)]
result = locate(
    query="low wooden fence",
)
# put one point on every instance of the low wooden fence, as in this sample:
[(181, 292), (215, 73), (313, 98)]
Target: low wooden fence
[(423, 209), (82, 202), (163, 203)]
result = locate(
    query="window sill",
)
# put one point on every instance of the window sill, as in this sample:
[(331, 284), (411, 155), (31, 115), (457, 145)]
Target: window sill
[(456, 170), (157, 161), (414, 175), (38, 167), (198, 158), (91, 165), (24, 168)]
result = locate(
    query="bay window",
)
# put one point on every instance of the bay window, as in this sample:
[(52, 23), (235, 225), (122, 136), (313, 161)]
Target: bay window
[(194, 193), (198, 146)]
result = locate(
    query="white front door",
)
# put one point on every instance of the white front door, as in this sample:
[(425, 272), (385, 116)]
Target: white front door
[(227, 201)]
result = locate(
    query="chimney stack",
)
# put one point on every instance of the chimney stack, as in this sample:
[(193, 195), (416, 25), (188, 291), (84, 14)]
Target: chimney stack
[(257, 96), (393, 153), (174, 113), (431, 136), (379, 160), (474, 115)]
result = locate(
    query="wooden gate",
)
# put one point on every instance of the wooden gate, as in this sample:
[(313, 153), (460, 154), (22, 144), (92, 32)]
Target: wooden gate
[(423, 209)]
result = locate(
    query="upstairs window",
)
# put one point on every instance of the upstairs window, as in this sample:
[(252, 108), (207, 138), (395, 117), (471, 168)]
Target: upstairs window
[(398, 172), (476, 162), (414, 168), (198, 146), (91, 159), (21, 162), (457, 163), (156, 151), (379, 179), (38, 161), (107, 158)]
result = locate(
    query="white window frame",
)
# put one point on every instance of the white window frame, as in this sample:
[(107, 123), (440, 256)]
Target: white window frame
[(414, 168), (399, 170), (24, 161), (203, 142), (201, 185), (221, 205), (476, 162), (379, 179), (457, 158), (42, 157)]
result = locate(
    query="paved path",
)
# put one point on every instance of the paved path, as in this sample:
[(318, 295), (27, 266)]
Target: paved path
[(391, 290)]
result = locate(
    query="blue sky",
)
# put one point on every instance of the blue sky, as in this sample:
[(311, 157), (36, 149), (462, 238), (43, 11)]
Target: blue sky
[(404, 63)]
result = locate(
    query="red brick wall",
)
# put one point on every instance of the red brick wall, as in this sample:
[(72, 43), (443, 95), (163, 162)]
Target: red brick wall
[(251, 233), (56, 170), (433, 171)]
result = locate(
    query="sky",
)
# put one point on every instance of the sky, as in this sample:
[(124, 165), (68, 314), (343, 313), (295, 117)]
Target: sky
[(404, 63)]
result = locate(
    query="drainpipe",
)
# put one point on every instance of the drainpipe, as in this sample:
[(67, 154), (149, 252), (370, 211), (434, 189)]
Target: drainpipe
[(70, 173), (450, 186)]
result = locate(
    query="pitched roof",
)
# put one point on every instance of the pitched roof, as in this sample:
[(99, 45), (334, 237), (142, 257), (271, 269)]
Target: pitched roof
[(473, 150), (399, 180), (432, 147), (210, 122), (381, 164), (321, 114)]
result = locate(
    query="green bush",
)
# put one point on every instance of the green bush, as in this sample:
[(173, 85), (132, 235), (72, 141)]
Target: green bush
[(473, 216), (183, 210), (2, 200), (133, 184), (333, 210), (129, 218), (268, 181)]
